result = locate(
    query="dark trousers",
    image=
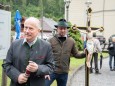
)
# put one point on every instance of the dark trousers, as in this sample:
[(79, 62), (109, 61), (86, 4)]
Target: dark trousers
[(110, 61), (95, 57), (60, 78)]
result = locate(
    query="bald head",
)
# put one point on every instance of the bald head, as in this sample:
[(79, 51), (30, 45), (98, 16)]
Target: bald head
[(34, 21), (31, 28)]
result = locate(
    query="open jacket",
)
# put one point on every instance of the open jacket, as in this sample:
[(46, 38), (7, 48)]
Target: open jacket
[(62, 52), (17, 60), (111, 48)]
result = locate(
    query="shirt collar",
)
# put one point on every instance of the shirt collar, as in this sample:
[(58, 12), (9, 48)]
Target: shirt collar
[(31, 43)]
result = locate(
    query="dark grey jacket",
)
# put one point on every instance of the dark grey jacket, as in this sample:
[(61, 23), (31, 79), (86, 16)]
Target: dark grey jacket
[(17, 60), (111, 48), (62, 53)]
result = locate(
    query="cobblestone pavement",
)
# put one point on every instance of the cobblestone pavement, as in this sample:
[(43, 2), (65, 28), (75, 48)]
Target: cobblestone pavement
[(106, 78)]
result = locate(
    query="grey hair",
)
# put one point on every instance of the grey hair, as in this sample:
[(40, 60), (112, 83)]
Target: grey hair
[(35, 20)]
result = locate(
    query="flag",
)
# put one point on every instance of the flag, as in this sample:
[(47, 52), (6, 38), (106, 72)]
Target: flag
[(17, 21)]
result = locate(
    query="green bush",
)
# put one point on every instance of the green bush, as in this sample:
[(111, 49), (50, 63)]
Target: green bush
[(75, 34)]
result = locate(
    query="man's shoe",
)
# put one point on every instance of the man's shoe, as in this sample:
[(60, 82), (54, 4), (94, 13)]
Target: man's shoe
[(91, 70), (97, 72), (114, 69), (111, 69)]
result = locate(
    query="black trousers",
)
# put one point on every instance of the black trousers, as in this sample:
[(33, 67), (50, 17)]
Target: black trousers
[(95, 57)]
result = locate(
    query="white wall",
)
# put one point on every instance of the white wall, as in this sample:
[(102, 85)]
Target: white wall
[(5, 29), (77, 12)]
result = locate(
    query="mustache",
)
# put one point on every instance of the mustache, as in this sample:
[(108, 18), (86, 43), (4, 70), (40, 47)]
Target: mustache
[(27, 34)]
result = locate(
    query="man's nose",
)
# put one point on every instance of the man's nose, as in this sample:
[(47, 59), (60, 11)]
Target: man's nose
[(27, 30), (63, 30)]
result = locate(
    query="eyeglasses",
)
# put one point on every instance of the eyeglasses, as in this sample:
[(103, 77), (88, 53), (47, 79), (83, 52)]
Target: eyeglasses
[(22, 25)]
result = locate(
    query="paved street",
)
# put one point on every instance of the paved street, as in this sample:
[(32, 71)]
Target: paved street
[(106, 78)]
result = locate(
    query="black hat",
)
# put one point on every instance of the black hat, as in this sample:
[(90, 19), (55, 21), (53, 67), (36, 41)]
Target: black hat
[(63, 23)]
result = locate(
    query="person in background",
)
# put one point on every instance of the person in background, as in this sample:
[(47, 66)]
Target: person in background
[(22, 27), (63, 48), (97, 49), (21, 30), (29, 59), (111, 49)]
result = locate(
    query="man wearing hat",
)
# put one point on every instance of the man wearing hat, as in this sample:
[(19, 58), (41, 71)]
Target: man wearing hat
[(63, 47)]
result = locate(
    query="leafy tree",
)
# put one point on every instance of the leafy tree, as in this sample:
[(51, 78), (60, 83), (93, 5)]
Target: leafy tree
[(51, 8), (75, 34)]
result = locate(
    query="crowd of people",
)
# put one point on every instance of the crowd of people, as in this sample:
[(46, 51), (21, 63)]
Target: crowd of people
[(31, 61)]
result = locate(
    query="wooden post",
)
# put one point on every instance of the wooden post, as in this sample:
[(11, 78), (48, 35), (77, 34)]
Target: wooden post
[(89, 10), (86, 72), (4, 77)]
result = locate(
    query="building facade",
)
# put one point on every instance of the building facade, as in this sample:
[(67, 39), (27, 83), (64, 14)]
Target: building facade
[(48, 27)]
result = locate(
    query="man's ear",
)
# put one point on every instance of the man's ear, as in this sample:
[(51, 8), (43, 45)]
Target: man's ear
[(39, 30)]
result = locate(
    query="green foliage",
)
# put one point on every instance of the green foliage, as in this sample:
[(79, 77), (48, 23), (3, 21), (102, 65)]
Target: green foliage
[(50, 8), (1, 70), (75, 34), (54, 9)]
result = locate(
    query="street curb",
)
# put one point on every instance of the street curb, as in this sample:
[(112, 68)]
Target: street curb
[(73, 74)]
